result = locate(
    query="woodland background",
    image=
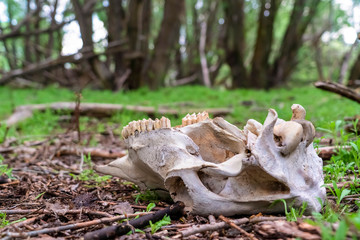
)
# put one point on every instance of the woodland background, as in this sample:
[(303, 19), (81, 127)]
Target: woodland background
[(237, 58), (156, 43)]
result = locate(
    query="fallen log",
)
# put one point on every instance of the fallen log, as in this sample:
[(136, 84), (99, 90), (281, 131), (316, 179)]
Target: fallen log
[(339, 89), (94, 152), (102, 109)]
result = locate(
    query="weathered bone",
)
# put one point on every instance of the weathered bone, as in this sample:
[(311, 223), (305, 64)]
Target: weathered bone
[(216, 168)]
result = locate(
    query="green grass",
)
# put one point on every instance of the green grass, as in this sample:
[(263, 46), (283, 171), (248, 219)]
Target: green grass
[(322, 107)]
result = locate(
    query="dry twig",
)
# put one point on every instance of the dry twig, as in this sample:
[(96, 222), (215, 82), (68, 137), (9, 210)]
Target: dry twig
[(233, 225), (77, 211), (209, 227), (71, 226)]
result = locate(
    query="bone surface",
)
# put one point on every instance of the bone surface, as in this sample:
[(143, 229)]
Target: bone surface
[(216, 168)]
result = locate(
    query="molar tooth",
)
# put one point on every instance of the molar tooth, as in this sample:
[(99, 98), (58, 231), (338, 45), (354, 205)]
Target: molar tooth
[(137, 126), (198, 117), (193, 118), (125, 132), (157, 124), (183, 122), (131, 128), (168, 123), (150, 125), (163, 122), (205, 115), (143, 125), (185, 119)]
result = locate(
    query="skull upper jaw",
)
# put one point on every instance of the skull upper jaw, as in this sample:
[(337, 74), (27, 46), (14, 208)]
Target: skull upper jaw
[(215, 168)]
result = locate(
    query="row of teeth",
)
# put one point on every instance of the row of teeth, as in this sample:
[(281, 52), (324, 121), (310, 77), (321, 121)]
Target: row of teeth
[(194, 118), (145, 126)]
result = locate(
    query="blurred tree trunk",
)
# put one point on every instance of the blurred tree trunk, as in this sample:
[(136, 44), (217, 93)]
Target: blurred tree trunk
[(138, 33), (260, 70), (166, 40), (302, 14), (355, 73), (116, 18), (97, 68), (191, 64), (235, 42), (27, 47), (36, 41), (50, 45), (83, 13), (11, 47)]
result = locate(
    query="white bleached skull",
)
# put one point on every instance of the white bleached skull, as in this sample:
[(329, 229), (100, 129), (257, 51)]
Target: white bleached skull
[(216, 168)]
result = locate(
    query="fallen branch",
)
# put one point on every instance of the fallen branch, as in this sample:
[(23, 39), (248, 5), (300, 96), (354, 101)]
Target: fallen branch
[(343, 184), (327, 152), (233, 225), (22, 223), (61, 212), (94, 152), (174, 211), (210, 227), (339, 89), (288, 230), (101, 109), (35, 233), (223, 225)]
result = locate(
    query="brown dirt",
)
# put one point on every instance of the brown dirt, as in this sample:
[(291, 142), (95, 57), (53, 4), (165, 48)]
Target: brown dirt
[(44, 192)]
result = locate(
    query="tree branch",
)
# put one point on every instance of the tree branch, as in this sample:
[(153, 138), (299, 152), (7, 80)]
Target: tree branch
[(339, 89)]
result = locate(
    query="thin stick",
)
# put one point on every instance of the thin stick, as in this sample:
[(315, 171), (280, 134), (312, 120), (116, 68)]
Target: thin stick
[(10, 183), (264, 219), (233, 225), (22, 223), (72, 226), (210, 227), (77, 211)]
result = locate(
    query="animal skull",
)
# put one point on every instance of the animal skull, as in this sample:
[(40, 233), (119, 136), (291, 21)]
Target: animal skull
[(216, 168)]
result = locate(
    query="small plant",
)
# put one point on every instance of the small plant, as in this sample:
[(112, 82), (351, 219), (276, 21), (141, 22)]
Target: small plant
[(328, 234), (3, 132), (150, 206), (338, 193), (147, 196), (333, 129), (3, 221), (156, 226), (89, 174), (4, 169), (294, 213), (328, 213)]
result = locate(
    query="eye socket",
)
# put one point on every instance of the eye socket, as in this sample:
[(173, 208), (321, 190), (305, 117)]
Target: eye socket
[(192, 150)]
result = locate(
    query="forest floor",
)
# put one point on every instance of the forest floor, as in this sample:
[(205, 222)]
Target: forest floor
[(54, 193), (45, 193), (50, 191)]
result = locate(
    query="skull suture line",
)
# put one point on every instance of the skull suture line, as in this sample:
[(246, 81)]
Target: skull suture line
[(216, 168)]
